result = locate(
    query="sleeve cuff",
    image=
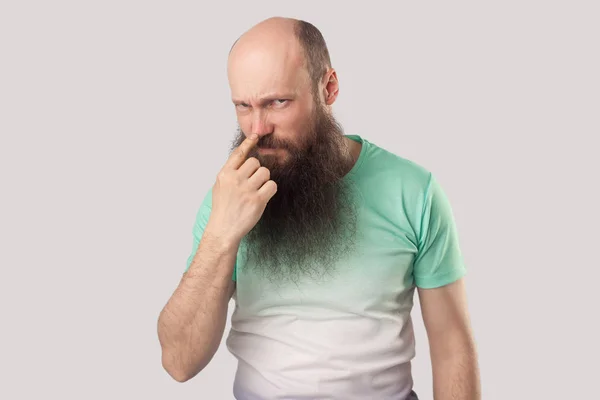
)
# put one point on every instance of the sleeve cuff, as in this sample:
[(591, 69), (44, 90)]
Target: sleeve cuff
[(435, 281)]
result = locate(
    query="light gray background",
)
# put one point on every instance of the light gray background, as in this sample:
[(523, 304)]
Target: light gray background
[(115, 117)]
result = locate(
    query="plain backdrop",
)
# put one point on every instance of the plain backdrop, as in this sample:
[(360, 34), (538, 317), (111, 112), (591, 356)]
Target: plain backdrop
[(115, 117)]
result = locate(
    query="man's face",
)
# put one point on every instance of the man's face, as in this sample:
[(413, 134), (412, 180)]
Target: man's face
[(308, 224), (273, 97)]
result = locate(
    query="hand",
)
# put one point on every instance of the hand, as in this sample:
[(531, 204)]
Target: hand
[(240, 194)]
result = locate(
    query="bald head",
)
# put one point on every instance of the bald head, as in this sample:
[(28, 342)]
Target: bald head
[(277, 27), (283, 87), (290, 42), (274, 85), (265, 55)]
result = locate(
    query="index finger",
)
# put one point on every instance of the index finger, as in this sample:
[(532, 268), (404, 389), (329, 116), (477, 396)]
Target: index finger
[(239, 155)]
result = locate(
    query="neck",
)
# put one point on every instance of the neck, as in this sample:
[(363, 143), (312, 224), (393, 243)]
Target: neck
[(351, 152)]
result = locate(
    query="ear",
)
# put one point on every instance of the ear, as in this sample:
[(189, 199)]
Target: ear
[(332, 87)]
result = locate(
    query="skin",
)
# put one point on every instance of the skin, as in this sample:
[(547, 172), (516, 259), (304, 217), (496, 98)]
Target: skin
[(258, 80), (309, 223), (191, 325), (271, 89), (452, 346), (272, 95)]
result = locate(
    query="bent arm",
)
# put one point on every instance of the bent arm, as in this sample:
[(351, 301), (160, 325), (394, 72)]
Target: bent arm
[(191, 325), (453, 353)]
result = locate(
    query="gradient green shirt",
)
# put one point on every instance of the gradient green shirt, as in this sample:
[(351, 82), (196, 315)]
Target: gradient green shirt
[(348, 336)]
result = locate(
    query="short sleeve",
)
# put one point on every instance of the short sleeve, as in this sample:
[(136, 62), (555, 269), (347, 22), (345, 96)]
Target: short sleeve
[(198, 229), (439, 260)]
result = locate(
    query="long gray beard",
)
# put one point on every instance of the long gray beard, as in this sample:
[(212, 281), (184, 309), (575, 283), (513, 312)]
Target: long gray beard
[(307, 243), (310, 223)]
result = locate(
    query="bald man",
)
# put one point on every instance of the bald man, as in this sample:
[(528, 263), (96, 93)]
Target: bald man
[(321, 239)]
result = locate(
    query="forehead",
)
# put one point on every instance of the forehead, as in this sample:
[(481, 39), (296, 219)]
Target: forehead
[(262, 70)]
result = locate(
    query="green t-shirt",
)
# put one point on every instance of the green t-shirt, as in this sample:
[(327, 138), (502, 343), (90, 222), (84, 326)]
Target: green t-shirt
[(352, 335)]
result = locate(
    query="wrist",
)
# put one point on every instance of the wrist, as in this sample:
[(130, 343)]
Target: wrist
[(220, 241)]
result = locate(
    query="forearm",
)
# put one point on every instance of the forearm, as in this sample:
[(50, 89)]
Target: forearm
[(191, 325), (456, 373)]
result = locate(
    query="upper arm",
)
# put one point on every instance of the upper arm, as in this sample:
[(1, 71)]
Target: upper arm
[(445, 310), (439, 268), (439, 260)]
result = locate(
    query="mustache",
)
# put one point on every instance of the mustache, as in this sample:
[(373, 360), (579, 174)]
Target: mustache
[(271, 142)]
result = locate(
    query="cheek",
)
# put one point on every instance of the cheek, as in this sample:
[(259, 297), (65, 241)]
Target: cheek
[(291, 123), (245, 123)]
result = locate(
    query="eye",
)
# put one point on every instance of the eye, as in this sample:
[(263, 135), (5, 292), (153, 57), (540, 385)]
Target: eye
[(241, 106), (280, 102)]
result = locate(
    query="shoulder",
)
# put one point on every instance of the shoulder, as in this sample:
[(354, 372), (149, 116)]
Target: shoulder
[(391, 170)]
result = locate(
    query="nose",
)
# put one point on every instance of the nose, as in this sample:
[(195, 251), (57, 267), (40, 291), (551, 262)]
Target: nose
[(260, 124)]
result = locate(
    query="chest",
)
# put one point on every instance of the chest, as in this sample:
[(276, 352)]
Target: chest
[(374, 277)]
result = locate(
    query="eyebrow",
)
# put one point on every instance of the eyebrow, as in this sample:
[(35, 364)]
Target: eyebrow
[(267, 99)]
